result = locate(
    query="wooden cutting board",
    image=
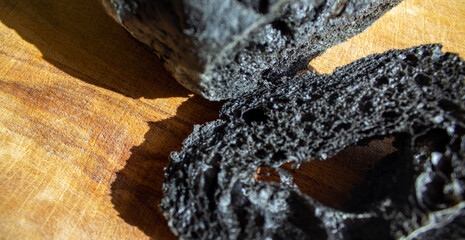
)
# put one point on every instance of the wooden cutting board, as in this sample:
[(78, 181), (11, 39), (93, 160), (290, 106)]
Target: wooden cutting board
[(88, 117)]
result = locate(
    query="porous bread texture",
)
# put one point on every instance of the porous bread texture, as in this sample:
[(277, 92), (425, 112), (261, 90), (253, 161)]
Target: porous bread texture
[(222, 49), (417, 192)]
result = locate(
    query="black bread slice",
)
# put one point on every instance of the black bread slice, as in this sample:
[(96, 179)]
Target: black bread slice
[(221, 49), (417, 192)]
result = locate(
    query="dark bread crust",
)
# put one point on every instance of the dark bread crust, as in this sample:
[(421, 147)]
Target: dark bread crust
[(418, 192), (222, 49)]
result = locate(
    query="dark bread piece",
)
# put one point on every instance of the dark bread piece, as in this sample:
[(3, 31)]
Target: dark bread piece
[(221, 49), (418, 192)]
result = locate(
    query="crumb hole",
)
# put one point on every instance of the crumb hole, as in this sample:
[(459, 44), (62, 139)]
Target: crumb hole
[(281, 26), (254, 115), (381, 81), (330, 181), (308, 117), (263, 6), (390, 115), (422, 79)]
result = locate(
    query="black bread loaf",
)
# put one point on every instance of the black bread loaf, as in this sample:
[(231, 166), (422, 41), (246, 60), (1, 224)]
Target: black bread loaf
[(222, 49), (416, 95)]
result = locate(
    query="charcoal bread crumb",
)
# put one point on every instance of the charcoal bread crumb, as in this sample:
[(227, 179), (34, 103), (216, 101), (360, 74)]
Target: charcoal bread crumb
[(221, 49), (416, 95)]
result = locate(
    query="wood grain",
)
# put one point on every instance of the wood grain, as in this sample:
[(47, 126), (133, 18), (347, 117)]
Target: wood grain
[(88, 116), (411, 23)]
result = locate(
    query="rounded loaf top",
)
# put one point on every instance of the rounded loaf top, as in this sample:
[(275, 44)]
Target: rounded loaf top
[(221, 49)]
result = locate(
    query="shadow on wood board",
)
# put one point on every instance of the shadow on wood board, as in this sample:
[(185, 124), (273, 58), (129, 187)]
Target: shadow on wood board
[(79, 38), (136, 191)]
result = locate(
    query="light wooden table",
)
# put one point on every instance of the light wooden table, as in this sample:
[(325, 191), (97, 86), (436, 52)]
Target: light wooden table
[(88, 117)]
